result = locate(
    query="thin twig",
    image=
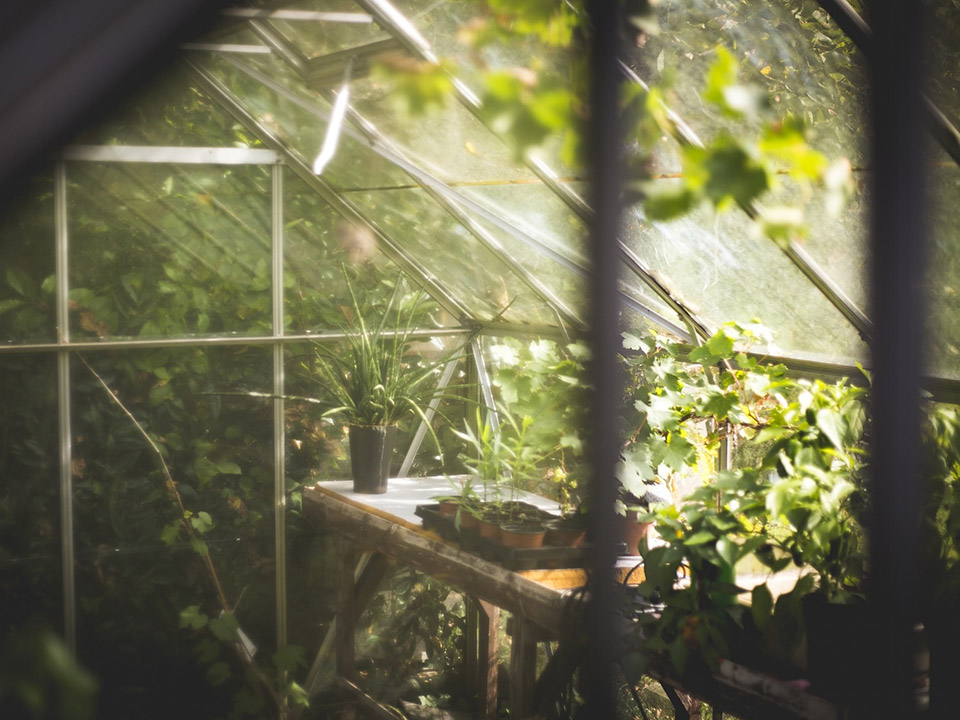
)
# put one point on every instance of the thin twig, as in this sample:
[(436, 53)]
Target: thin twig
[(171, 487)]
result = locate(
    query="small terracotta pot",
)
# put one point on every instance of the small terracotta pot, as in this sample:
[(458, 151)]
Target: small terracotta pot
[(629, 531), (447, 508), (488, 528), (565, 532), (522, 536), (468, 520)]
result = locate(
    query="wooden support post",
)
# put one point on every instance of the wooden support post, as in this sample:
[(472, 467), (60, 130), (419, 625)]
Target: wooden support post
[(488, 635), (471, 649), (346, 617), (523, 668)]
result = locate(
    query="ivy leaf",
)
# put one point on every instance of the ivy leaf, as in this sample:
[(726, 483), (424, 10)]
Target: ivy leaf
[(634, 342), (718, 346), (678, 452), (667, 200), (218, 673), (289, 658), (225, 627), (191, 617), (720, 404), (202, 522), (228, 468), (170, 533), (832, 425), (732, 174)]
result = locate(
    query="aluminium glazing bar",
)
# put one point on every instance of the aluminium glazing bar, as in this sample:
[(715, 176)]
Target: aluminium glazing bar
[(429, 413), (449, 198), (175, 155), (299, 15), (234, 339), (684, 135), (279, 425), (331, 196), (393, 22), (226, 48), (64, 409), (486, 386)]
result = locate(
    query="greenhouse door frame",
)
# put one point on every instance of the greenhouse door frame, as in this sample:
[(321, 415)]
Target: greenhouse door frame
[(208, 156)]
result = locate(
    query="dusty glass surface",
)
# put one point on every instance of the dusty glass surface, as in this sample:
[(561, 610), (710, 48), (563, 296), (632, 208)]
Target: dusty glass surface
[(943, 288), (486, 286), (169, 250), (27, 284), (300, 118), (722, 271), (790, 50)]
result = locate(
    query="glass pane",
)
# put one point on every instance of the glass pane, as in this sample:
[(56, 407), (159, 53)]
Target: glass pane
[(722, 272), (30, 556), (27, 285), (137, 567), (321, 249), (538, 212), (450, 143), (315, 38), (944, 270), (792, 51), (168, 251), (943, 56), (838, 242), (169, 111), (454, 256), (300, 118)]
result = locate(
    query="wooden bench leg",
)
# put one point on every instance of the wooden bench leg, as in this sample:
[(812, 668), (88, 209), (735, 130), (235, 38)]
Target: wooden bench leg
[(523, 668), (488, 631)]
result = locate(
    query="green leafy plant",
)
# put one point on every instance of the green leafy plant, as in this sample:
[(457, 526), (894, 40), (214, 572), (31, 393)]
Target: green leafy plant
[(502, 459), (377, 381), (799, 504)]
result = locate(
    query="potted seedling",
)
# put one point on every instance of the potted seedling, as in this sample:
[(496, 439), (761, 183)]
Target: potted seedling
[(376, 381)]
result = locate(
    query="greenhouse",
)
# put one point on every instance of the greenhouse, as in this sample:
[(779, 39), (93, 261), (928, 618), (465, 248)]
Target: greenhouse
[(308, 307)]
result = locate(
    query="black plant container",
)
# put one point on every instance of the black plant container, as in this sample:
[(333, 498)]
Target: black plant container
[(371, 449)]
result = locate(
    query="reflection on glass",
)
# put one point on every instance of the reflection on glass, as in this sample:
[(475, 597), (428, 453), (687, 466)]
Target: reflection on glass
[(168, 251)]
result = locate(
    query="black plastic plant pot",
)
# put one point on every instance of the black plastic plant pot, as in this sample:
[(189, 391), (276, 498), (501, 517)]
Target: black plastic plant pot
[(371, 449)]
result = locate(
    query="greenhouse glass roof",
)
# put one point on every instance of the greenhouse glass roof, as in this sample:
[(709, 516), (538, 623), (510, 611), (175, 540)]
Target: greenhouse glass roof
[(499, 237)]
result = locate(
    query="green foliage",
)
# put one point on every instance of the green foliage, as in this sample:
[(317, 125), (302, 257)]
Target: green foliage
[(376, 381), (800, 505), (546, 381), (39, 679)]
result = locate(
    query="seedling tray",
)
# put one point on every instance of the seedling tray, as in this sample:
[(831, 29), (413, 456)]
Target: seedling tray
[(546, 557)]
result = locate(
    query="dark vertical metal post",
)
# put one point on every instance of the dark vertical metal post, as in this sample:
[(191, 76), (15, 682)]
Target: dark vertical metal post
[(898, 257), (606, 173)]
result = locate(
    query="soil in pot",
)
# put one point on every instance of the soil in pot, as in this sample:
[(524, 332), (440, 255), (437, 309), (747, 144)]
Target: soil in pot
[(522, 535), (371, 450)]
